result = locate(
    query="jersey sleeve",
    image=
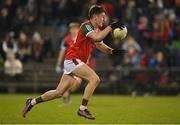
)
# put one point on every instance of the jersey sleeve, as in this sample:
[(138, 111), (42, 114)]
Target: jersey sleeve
[(87, 29)]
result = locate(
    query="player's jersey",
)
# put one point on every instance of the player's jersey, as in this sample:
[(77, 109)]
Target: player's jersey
[(67, 41), (83, 46)]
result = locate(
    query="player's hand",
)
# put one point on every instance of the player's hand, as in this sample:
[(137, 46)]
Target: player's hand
[(117, 24), (119, 52), (58, 69)]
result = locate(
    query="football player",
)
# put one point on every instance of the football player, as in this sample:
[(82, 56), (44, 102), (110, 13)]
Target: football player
[(89, 36)]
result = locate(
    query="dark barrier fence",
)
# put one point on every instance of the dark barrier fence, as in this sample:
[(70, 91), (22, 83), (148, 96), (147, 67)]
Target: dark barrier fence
[(127, 81), (142, 81)]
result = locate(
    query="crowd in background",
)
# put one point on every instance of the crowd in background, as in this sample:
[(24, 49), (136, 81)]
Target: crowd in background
[(153, 30)]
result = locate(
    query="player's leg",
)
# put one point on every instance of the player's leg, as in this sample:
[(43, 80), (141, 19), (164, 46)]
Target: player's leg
[(49, 95), (76, 82), (85, 72), (66, 98), (59, 91)]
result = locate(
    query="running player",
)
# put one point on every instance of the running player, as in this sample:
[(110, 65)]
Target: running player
[(68, 40), (89, 35)]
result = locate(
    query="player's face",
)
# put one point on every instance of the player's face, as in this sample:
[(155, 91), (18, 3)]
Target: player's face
[(74, 30), (101, 18)]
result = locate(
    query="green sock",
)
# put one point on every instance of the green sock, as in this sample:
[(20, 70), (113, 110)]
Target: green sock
[(39, 100), (84, 102)]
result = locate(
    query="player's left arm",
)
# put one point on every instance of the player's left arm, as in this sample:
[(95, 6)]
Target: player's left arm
[(103, 47)]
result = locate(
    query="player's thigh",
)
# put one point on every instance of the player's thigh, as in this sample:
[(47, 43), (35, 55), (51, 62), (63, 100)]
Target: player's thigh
[(77, 80), (65, 83), (85, 72)]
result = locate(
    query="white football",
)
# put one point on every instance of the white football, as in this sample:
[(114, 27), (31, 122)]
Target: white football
[(120, 33)]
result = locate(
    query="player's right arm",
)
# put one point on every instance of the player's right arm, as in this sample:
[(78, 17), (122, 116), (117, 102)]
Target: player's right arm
[(61, 56), (88, 31), (99, 36)]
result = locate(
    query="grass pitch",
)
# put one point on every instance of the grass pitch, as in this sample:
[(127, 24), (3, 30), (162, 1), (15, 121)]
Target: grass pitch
[(108, 109)]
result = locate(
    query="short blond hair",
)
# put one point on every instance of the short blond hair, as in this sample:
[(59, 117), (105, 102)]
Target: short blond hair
[(73, 24)]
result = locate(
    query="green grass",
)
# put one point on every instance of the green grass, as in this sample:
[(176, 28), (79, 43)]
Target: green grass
[(108, 110)]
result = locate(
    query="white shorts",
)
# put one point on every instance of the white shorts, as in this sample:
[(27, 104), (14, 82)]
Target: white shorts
[(71, 65)]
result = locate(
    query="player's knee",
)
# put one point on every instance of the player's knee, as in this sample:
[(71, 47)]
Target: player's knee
[(96, 80)]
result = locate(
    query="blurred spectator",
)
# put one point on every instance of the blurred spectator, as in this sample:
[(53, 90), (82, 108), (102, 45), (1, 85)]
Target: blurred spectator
[(119, 9), (9, 44), (158, 61), (143, 31), (155, 36), (19, 22), (161, 59), (165, 30), (1, 67), (31, 11), (60, 9), (130, 14), (12, 66), (132, 59), (7, 14), (24, 48), (46, 12), (134, 50), (47, 48), (131, 42), (177, 9), (4, 22), (37, 47), (1, 49), (144, 62)]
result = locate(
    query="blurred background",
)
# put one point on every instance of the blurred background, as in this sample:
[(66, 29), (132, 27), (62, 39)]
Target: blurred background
[(31, 32)]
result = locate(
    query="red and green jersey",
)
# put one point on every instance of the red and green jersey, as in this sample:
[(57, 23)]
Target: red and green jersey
[(83, 46)]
